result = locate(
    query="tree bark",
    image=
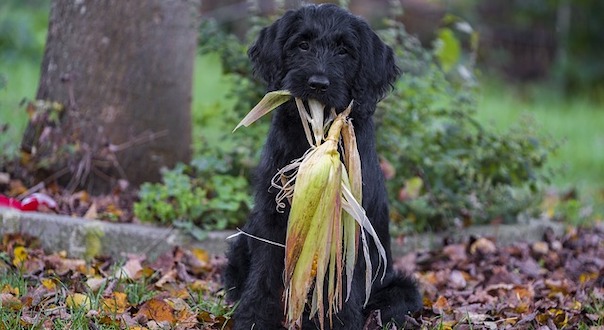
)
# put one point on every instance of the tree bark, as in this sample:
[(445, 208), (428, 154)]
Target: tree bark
[(123, 71)]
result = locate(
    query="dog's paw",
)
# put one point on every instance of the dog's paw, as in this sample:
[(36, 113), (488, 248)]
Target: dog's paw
[(401, 297)]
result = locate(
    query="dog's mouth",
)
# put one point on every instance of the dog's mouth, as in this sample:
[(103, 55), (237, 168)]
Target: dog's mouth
[(312, 104), (329, 108), (317, 103)]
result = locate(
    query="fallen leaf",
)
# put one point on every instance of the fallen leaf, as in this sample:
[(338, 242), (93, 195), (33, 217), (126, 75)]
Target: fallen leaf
[(82, 196), (9, 301), (114, 211), (78, 300), (16, 188), (220, 321), (170, 276), (92, 212), (49, 284), (116, 304), (200, 286), (540, 248), (20, 255), (483, 246), (441, 305), (558, 316), (182, 311), (176, 290), (201, 256), (95, 283), (132, 269), (457, 280), (455, 252), (157, 310), (7, 288), (588, 277), (557, 286)]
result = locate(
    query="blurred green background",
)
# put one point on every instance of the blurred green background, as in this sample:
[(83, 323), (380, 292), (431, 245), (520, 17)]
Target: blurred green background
[(539, 61)]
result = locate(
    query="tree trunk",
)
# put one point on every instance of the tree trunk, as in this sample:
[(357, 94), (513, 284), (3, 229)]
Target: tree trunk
[(123, 72)]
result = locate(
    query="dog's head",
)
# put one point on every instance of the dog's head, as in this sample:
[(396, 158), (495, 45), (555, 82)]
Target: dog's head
[(326, 53)]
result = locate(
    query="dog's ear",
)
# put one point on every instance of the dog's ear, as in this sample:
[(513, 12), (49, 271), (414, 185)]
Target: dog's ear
[(377, 68), (266, 53)]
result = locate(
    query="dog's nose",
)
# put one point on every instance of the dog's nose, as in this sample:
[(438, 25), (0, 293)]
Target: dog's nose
[(318, 83)]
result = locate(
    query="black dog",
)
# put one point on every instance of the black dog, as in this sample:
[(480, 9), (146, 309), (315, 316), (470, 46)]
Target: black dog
[(326, 53)]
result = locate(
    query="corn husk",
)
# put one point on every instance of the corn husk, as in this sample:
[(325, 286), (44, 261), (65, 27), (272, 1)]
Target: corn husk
[(269, 102), (326, 222)]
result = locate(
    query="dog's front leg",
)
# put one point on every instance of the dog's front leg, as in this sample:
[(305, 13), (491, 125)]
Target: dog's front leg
[(260, 306)]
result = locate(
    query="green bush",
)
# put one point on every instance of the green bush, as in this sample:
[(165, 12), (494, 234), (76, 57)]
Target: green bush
[(195, 202), (445, 168), (216, 123), (23, 27)]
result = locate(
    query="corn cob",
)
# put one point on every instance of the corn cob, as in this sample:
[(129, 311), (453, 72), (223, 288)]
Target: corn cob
[(321, 241)]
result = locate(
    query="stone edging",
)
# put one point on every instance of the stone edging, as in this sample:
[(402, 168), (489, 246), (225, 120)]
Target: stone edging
[(76, 236)]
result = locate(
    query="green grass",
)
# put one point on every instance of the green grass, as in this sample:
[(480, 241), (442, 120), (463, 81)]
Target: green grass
[(575, 122), (21, 84), (22, 35)]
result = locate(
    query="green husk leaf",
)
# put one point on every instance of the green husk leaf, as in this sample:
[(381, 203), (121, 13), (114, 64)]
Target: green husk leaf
[(353, 180), (268, 103), (352, 160), (352, 207), (319, 186), (350, 235), (312, 181), (300, 250)]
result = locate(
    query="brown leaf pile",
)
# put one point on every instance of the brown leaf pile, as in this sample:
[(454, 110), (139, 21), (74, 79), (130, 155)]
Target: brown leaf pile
[(555, 283), (180, 290)]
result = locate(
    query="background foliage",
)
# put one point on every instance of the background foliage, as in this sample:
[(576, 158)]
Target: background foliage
[(553, 41), (23, 27), (449, 169), (446, 169), (448, 165)]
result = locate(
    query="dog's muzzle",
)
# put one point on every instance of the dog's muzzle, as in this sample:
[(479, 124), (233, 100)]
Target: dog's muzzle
[(318, 83)]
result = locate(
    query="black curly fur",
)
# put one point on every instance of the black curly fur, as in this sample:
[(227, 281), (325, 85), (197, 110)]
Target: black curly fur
[(326, 53)]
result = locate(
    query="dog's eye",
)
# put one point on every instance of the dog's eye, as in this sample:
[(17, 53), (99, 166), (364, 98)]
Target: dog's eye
[(342, 51), (303, 45)]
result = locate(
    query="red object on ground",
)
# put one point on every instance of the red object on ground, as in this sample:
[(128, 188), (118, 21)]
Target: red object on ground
[(29, 203)]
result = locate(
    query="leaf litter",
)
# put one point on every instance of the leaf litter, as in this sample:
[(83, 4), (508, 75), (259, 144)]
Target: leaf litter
[(179, 290), (555, 283), (521, 286)]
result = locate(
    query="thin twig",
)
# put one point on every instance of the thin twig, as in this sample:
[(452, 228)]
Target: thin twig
[(137, 140), (255, 237)]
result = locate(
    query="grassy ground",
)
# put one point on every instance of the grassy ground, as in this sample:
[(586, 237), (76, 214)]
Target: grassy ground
[(21, 83), (575, 122)]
